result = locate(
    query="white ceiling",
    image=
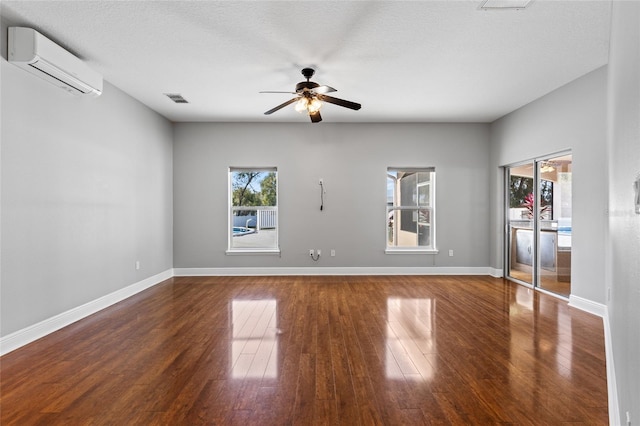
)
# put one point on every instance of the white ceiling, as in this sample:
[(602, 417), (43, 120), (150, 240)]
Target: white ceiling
[(416, 61)]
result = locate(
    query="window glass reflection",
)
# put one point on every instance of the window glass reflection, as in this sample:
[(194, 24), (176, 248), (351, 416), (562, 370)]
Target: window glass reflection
[(410, 351), (254, 347)]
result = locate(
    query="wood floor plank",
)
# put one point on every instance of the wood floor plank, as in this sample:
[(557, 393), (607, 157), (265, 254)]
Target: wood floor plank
[(306, 389), (368, 407), (316, 350)]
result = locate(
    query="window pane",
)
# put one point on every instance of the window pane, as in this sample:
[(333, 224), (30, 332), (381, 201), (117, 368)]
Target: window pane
[(253, 210), (423, 177), (246, 234), (253, 188), (415, 232), (424, 235), (424, 194), (408, 197), (410, 208)]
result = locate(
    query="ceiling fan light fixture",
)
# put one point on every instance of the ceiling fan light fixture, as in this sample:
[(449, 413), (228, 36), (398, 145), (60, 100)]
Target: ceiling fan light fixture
[(308, 105), (301, 105), (548, 167), (314, 105)]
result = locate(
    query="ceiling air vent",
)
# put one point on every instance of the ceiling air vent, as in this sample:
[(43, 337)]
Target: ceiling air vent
[(177, 98), (505, 4)]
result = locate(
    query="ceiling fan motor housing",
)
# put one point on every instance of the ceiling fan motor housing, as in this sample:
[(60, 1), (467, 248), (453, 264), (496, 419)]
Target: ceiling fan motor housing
[(309, 85), (308, 73)]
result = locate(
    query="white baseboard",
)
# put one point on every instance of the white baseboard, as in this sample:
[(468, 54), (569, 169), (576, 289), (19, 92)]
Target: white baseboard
[(588, 306), (29, 334), (612, 387), (193, 272), (496, 273)]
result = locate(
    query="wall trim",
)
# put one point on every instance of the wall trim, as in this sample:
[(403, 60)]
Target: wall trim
[(350, 270), (612, 387), (34, 332), (496, 272), (588, 306)]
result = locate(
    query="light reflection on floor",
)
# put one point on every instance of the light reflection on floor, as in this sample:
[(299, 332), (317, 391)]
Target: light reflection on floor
[(526, 301), (410, 351), (254, 349), (564, 353)]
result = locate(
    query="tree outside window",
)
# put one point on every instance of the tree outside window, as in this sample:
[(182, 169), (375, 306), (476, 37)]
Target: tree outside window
[(253, 209)]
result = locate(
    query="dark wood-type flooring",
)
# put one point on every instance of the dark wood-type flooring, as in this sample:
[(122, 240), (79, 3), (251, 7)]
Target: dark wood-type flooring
[(316, 350), (548, 282)]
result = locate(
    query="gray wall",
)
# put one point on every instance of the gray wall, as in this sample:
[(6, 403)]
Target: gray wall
[(352, 159), (572, 117), (86, 191), (623, 264)]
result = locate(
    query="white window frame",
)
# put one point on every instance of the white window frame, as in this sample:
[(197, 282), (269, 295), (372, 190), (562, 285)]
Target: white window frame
[(431, 208), (230, 208)]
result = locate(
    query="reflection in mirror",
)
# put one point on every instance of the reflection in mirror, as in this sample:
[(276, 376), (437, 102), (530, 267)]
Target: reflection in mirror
[(410, 351), (254, 347)]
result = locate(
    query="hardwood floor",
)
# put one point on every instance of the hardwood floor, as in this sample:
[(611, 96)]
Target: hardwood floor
[(316, 350), (548, 281)]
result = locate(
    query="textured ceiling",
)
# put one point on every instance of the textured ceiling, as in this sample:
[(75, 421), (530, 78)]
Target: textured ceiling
[(418, 61)]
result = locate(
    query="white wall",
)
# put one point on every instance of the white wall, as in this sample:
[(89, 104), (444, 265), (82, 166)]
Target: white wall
[(623, 264), (572, 117), (352, 159), (86, 191)]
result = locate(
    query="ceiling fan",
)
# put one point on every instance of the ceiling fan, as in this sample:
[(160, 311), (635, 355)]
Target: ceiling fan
[(309, 98)]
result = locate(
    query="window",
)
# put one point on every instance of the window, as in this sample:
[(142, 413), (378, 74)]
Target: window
[(253, 210), (411, 210)]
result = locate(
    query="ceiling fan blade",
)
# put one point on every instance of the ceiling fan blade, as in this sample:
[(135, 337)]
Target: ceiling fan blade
[(272, 91), (289, 102), (340, 102), (315, 117), (324, 89)]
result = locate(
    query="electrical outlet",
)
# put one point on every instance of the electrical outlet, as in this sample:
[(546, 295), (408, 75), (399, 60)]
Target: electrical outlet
[(137, 265), (310, 252), (450, 253), (628, 419), (333, 253), (319, 252), (321, 181)]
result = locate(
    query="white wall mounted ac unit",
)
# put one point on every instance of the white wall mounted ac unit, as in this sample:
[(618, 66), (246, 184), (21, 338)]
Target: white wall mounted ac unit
[(35, 53)]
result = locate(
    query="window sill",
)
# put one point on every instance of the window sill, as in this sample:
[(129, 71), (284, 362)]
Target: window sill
[(410, 251), (245, 252)]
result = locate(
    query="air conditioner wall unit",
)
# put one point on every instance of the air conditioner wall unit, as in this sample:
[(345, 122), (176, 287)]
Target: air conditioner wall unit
[(38, 55)]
